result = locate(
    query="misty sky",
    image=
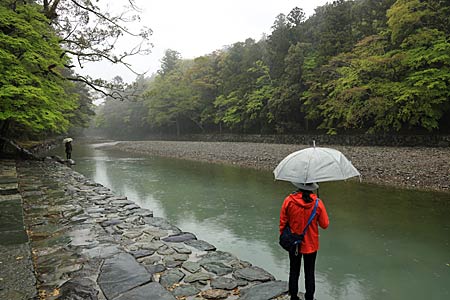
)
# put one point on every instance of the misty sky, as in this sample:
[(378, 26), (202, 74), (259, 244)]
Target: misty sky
[(198, 27)]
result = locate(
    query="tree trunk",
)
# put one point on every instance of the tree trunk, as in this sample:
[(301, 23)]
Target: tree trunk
[(4, 127), (10, 148)]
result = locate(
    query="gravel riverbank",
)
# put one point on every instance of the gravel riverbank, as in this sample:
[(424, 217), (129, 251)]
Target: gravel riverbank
[(415, 168)]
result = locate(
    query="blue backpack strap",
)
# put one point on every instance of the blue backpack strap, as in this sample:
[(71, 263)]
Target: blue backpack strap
[(311, 217)]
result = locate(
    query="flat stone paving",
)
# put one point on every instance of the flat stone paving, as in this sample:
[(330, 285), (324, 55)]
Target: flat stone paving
[(89, 243), (17, 280)]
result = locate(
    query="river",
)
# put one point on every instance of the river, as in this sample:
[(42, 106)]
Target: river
[(382, 243)]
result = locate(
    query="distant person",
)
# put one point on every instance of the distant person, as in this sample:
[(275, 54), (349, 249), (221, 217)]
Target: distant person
[(295, 211), (68, 146)]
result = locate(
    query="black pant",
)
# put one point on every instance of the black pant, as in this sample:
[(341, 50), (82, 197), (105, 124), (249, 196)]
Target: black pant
[(69, 155), (294, 273)]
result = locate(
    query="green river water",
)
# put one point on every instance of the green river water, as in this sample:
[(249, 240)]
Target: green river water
[(382, 243)]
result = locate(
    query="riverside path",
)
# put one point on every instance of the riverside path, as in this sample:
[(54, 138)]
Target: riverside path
[(88, 243)]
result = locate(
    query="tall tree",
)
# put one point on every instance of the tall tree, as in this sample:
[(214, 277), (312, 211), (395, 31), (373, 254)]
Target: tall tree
[(285, 105), (32, 92), (169, 61), (278, 44), (237, 81), (204, 78), (172, 102), (369, 17)]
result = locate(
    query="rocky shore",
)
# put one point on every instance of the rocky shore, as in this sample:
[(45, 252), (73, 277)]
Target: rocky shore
[(88, 243), (405, 167)]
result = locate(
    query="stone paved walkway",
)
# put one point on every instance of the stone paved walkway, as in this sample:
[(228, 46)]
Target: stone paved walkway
[(88, 243), (17, 280)]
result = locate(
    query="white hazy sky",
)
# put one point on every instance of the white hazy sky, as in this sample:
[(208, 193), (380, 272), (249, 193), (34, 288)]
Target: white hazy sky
[(198, 27)]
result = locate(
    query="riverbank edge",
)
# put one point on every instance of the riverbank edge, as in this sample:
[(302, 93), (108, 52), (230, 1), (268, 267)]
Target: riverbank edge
[(88, 242), (17, 280), (416, 168)]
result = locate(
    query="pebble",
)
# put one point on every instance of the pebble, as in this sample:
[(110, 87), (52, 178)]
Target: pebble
[(421, 168)]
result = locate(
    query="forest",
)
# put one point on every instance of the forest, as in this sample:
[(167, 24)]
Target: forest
[(354, 66), (41, 43), (359, 66)]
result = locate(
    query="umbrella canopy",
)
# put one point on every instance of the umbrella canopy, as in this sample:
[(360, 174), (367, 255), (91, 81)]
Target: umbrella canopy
[(315, 164), (66, 140)]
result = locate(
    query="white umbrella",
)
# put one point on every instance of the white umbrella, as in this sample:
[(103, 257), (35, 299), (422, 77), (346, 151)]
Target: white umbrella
[(66, 140), (315, 164)]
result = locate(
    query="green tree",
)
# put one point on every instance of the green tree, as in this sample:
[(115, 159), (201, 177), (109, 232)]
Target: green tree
[(334, 32), (238, 80), (172, 102), (369, 17), (257, 114), (204, 80), (404, 88), (31, 87), (169, 61), (278, 44)]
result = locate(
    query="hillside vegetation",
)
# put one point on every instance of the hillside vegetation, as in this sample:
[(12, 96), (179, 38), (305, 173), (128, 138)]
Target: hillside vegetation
[(354, 66)]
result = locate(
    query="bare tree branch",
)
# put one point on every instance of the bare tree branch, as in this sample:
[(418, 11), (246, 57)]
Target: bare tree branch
[(102, 16), (89, 34), (118, 90)]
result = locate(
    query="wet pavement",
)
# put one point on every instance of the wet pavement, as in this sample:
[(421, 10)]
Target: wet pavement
[(17, 280), (88, 243)]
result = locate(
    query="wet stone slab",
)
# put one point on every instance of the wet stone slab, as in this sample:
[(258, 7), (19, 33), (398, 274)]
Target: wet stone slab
[(11, 217), (12, 228), (150, 291), (185, 291), (200, 245), (224, 283), (92, 244), (264, 291), (180, 237), (217, 268), (171, 277), (79, 288), (121, 273)]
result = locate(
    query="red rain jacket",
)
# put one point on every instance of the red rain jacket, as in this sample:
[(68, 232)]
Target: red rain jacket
[(295, 212)]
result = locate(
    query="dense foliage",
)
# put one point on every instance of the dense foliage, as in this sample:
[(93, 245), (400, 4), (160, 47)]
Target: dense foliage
[(33, 94), (40, 94), (354, 66)]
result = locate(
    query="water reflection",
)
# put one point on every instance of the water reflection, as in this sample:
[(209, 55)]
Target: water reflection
[(381, 243)]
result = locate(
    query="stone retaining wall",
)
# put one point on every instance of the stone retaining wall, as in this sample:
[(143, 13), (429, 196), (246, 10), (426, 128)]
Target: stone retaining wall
[(88, 243)]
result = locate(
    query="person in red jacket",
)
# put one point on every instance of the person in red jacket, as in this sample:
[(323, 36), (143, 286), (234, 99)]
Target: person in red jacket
[(295, 211)]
